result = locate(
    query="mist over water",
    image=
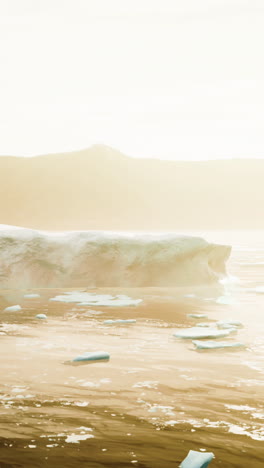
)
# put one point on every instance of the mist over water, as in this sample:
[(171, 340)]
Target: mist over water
[(157, 397)]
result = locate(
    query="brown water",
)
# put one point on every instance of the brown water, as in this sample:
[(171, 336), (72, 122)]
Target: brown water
[(157, 397)]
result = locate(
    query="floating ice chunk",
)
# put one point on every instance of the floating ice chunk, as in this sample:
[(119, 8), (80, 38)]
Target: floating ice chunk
[(197, 459), (118, 322), (75, 438), (199, 332), (203, 324), (229, 324), (226, 300), (88, 299), (41, 316), (88, 358), (217, 344), (14, 308), (198, 316), (31, 296)]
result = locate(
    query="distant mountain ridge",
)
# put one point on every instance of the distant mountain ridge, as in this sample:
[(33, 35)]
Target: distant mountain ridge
[(101, 189)]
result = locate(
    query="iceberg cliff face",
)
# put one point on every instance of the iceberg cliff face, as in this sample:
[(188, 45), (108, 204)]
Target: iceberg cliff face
[(40, 259)]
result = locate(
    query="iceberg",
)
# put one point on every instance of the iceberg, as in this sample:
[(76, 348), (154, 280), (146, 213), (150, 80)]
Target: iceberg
[(197, 459), (88, 358), (200, 332), (41, 316), (118, 322), (14, 308), (107, 259), (217, 344)]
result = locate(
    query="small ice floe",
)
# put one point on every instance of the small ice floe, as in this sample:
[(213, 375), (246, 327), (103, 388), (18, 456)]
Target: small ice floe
[(223, 324), (14, 308), (92, 299), (200, 332), (119, 322), (41, 316), (75, 438), (225, 300), (204, 324), (197, 459), (198, 316), (216, 344), (88, 358), (31, 296)]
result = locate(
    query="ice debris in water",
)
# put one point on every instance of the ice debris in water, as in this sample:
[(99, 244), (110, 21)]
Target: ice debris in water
[(14, 308), (85, 299), (199, 332), (87, 358), (197, 459), (198, 316), (119, 321), (217, 344), (31, 296), (229, 324), (41, 316)]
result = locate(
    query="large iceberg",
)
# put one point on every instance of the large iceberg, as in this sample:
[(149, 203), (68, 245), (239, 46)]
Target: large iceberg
[(32, 259)]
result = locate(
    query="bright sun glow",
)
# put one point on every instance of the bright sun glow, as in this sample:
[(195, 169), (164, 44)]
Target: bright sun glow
[(176, 79)]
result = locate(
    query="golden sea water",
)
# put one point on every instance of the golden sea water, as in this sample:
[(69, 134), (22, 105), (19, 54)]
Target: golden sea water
[(157, 397)]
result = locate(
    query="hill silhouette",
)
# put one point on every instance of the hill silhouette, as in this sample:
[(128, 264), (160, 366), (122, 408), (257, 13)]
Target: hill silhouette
[(101, 189)]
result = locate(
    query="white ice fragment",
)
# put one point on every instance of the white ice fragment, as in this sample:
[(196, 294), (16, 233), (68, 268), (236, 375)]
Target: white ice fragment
[(203, 324), (217, 344), (229, 324), (31, 296), (88, 358), (198, 316), (197, 459), (14, 308), (41, 316), (75, 438), (119, 322), (226, 300), (199, 332)]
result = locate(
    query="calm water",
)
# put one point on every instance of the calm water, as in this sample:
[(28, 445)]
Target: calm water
[(157, 397)]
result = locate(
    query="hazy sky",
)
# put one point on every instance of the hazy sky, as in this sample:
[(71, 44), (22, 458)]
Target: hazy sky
[(154, 78)]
